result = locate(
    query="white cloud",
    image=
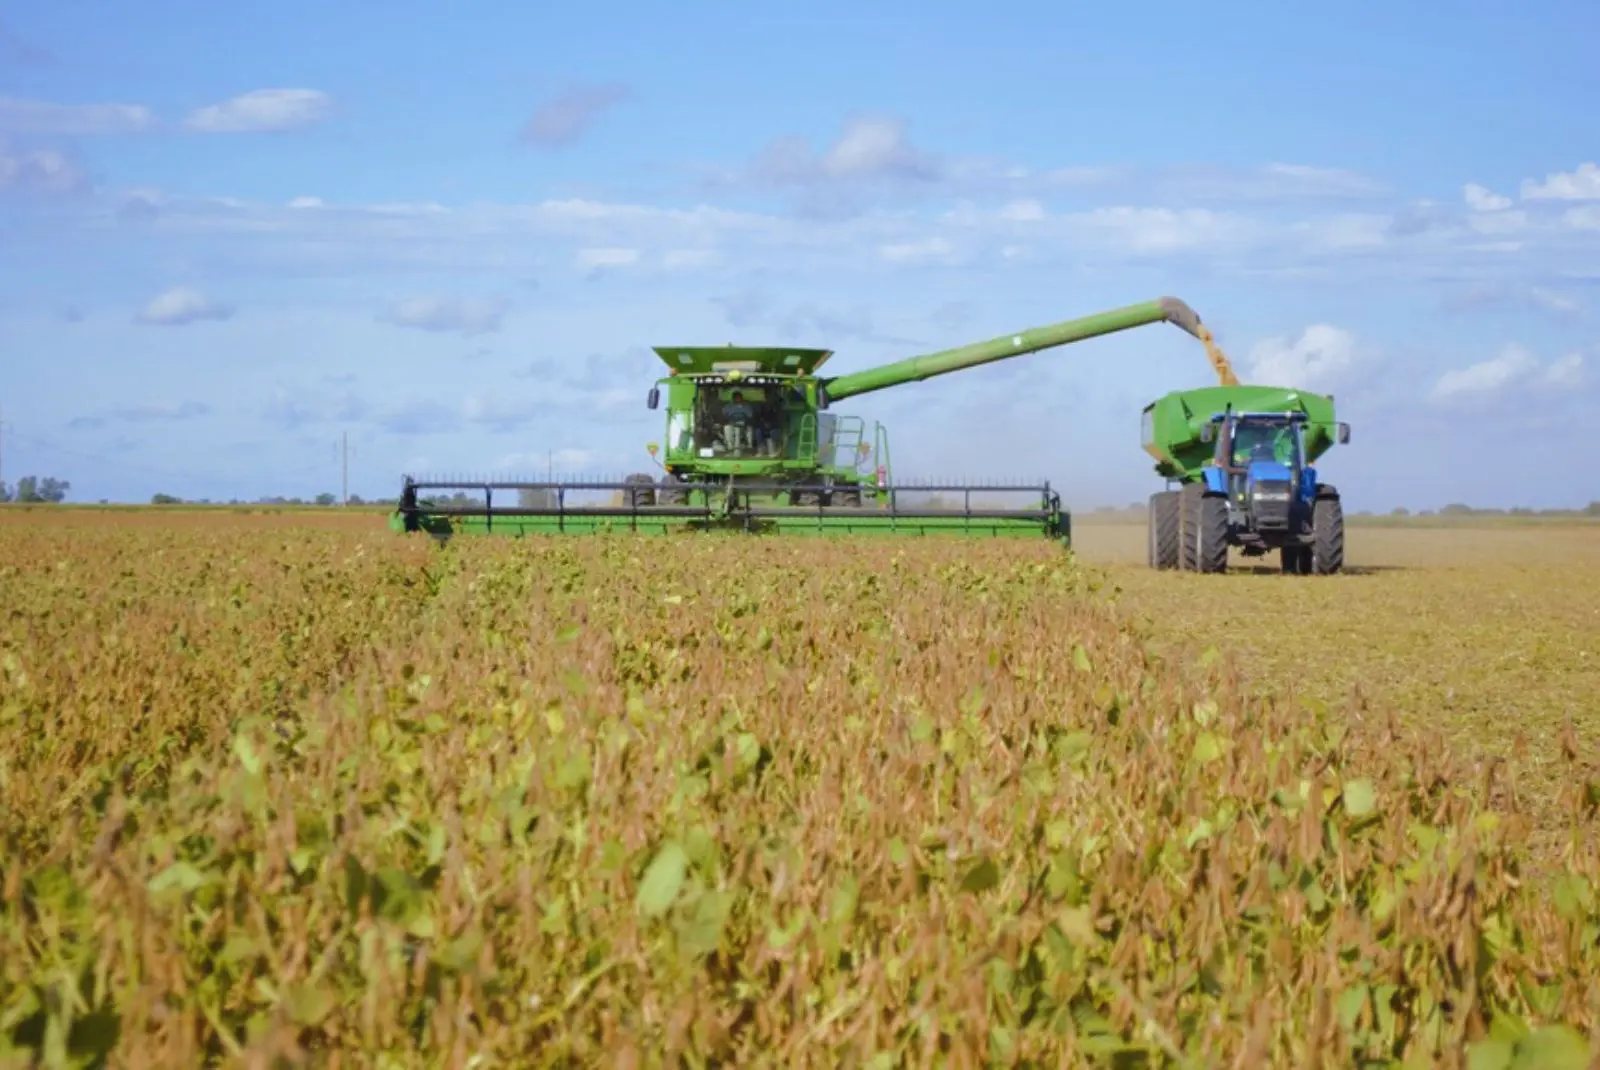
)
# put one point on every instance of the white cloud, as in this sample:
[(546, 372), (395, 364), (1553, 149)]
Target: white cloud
[(1481, 199), (1582, 184), (183, 305), (1513, 366), (262, 110), (45, 117), (1566, 371), (448, 314), (1587, 218), (39, 170), (1162, 230), (1553, 301), (1487, 376), (869, 147), (1320, 356)]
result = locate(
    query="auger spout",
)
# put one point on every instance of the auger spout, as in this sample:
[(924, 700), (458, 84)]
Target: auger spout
[(1167, 309)]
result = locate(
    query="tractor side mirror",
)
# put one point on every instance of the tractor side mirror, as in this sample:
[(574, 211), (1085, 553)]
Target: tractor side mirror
[(822, 396), (654, 400), (1344, 434), (1208, 434)]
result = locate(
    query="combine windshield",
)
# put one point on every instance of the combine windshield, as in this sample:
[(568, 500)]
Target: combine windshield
[(740, 421)]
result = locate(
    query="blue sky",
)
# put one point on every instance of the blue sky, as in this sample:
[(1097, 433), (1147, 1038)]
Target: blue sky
[(231, 234)]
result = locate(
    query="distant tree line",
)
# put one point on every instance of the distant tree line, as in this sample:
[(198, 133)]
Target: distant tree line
[(36, 489)]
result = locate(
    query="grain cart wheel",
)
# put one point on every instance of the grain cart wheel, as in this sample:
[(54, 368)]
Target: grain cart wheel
[(1327, 533), (1189, 499), (1211, 535), (1163, 526), (644, 495)]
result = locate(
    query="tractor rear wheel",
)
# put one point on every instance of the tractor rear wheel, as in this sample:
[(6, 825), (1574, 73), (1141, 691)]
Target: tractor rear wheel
[(1327, 535), (1163, 525), (1211, 536)]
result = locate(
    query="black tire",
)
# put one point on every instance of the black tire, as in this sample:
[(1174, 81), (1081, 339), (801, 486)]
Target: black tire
[(644, 493), (808, 498), (847, 496), (1327, 535), (1189, 499), (669, 493), (1211, 537), (1163, 524)]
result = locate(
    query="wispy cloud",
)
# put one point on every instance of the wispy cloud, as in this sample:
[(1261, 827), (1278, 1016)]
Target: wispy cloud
[(183, 305), (462, 315), (19, 116), (161, 411), (262, 110), (1514, 367), (38, 170), (565, 119)]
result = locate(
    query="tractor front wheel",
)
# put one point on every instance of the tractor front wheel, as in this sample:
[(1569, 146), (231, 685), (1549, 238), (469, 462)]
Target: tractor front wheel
[(1164, 533)]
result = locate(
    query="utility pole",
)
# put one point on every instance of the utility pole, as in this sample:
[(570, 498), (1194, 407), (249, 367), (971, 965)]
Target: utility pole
[(344, 469)]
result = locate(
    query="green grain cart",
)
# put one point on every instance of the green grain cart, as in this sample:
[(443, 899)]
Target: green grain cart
[(752, 444)]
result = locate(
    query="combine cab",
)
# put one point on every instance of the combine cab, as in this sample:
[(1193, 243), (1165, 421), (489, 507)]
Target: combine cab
[(1243, 457), (751, 445)]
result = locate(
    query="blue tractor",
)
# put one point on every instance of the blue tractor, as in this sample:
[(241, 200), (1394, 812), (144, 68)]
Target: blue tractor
[(1243, 456)]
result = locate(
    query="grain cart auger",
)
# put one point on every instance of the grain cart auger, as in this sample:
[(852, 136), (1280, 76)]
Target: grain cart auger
[(1243, 458), (751, 446)]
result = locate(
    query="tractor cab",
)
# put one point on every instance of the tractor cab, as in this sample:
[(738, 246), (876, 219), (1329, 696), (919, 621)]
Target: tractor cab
[(1262, 459)]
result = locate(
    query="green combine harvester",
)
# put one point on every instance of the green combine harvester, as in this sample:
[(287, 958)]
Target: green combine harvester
[(751, 445), (1243, 458)]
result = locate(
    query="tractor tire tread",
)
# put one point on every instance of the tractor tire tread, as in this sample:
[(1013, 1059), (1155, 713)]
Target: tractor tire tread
[(1211, 543), (1164, 532), (1327, 527)]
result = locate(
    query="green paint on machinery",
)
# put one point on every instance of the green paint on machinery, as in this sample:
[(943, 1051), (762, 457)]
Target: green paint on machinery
[(751, 445), (1244, 460)]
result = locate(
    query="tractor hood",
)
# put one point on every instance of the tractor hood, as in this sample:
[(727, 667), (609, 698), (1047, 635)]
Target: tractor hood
[(1269, 472)]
